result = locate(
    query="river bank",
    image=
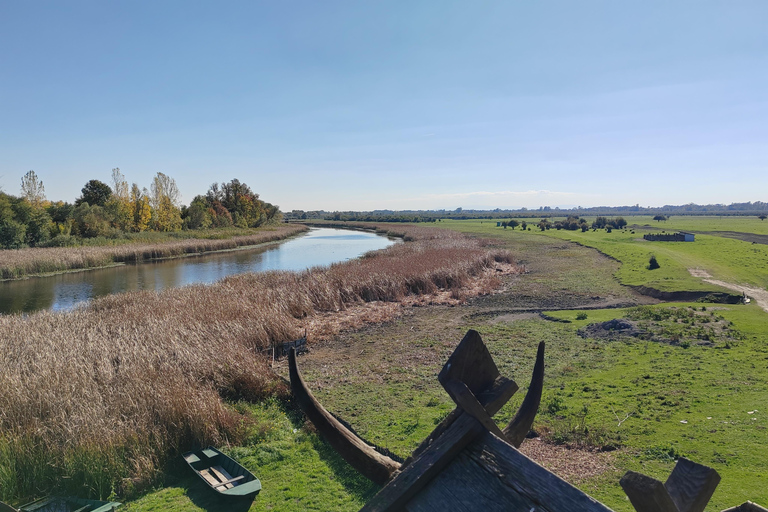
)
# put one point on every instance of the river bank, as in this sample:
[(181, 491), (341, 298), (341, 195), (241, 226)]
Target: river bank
[(33, 262)]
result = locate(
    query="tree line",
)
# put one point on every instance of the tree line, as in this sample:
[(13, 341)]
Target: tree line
[(112, 211)]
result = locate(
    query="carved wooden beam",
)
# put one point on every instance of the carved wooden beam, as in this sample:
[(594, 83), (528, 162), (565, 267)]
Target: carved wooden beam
[(359, 454), (688, 489), (521, 424)]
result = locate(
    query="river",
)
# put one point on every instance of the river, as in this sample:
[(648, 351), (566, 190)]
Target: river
[(60, 292)]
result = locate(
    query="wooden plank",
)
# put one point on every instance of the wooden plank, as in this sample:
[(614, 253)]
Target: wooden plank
[(490, 475), (647, 494), (691, 485), (405, 484), (464, 486), (209, 477), (224, 477), (524, 477), (471, 363), (464, 398), (493, 400), (226, 483)]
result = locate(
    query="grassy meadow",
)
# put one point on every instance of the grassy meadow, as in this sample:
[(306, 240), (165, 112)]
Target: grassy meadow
[(725, 259)]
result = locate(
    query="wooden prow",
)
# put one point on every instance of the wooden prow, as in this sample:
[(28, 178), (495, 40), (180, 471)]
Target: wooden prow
[(521, 424), (360, 455)]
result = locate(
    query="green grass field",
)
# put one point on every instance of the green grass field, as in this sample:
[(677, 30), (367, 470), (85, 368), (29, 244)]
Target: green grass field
[(725, 259), (648, 401)]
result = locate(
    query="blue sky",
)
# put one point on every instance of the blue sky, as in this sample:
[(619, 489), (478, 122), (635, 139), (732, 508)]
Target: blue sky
[(392, 105)]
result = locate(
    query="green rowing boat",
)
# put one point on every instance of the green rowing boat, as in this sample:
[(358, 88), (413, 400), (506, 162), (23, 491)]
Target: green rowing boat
[(223, 475)]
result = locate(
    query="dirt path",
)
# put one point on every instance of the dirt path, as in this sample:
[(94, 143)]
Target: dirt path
[(760, 296)]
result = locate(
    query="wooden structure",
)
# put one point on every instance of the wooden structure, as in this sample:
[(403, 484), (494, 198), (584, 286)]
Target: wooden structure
[(223, 475), (468, 463)]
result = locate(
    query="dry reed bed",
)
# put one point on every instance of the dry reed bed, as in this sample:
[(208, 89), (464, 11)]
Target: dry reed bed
[(23, 262), (104, 394)]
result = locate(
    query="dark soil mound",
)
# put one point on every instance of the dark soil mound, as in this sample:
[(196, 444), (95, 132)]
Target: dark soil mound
[(611, 329)]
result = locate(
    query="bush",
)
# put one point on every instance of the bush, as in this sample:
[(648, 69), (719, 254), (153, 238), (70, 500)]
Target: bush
[(652, 263), (581, 316), (12, 234)]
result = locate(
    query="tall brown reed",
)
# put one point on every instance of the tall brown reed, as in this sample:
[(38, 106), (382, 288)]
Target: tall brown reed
[(99, 397)]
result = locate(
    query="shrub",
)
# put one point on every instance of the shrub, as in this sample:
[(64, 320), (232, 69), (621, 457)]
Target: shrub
[(652, 263), (12, 234), (581, 316)]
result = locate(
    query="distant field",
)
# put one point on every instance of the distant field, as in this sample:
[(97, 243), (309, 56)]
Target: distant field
[(703, 223), (725, 259)]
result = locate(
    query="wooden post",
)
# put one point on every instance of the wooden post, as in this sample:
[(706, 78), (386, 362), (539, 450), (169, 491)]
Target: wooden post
[(691, 485), (688, 489), (647, 494)]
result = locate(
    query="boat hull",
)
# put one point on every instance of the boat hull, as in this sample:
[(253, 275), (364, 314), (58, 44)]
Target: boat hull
[(222, 475)]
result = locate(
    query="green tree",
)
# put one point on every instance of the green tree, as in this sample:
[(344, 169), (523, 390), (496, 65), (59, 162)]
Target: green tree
[(90, 221), (39, 227), (12, 234), (197, 215), (95, 193)]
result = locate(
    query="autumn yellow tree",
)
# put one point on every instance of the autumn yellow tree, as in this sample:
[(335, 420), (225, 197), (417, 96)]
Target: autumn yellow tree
[(119, 206), (140, 208), (164, 198)]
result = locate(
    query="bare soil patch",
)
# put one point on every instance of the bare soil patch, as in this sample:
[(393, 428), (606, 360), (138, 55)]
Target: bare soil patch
[(571, 464)]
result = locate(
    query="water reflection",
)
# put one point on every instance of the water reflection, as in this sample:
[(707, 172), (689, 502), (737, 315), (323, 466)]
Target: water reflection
[(321, 246)]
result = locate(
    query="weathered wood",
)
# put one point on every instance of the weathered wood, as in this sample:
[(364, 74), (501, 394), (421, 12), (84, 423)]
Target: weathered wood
[(209, 477), (747, 506), (360, 455), (491, 475), (225, 478), (228, 484), (647, 494), (412, 479), (464, 398), (493, 400), (470, 363), (520, 425), (691, 485)]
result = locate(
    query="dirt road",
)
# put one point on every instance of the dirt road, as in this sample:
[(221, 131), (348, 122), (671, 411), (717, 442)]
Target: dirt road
[(760, 296)]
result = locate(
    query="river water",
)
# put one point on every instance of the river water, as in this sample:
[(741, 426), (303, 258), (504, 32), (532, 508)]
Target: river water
[(319, 247)]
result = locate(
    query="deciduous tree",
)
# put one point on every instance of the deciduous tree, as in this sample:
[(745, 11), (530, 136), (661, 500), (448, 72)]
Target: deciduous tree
[(95, 193), (32, 189)]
